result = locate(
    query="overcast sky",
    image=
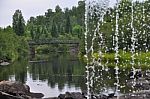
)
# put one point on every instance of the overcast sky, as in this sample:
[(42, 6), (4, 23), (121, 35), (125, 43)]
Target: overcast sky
[(30, 8)]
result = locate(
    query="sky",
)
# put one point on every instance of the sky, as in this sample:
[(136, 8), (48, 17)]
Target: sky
[(30, 8)]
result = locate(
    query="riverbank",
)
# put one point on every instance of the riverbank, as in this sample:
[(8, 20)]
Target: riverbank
[(17, 90), (141, 59)]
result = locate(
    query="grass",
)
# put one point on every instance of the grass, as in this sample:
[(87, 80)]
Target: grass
[(141, 59)]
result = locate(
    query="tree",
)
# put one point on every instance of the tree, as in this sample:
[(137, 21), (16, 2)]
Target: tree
[(80, 12), (58, 18), (32, 32), (54, 30), (11, 46), (18, 23), (48, 21), (77, 30), (58, 9), (31, 27), (68, 28)]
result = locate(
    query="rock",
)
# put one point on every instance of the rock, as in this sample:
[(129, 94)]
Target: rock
[(72, 95), (135, 74), (13, 87), (138, 74), (4, 63), (68, 95), (36, 95), (102, 97), (61, 96), (147, 75), (52, 98), (139, 84), (17, 89), (77, 95)]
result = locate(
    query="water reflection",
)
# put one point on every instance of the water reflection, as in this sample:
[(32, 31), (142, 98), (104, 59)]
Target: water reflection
[(60, 70), (60, 73), (16, 70)]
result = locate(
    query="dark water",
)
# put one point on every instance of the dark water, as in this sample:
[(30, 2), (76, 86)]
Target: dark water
[(58, 74)]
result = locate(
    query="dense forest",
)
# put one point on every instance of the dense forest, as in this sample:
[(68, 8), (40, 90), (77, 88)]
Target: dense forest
[(57, 24), (61, 24), (69, 24)]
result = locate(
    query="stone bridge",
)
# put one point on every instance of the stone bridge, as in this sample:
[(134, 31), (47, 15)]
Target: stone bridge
[(73, 44), (52, 41)]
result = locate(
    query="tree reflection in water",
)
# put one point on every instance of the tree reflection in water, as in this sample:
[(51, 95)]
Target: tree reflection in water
[(59, 70)]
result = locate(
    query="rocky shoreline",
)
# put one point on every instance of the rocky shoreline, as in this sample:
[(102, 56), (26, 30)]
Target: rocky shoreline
[(78, 95), (17, 90)]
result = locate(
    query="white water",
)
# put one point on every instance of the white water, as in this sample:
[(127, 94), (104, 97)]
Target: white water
[(117, 50), (95, 67), (93, 8)]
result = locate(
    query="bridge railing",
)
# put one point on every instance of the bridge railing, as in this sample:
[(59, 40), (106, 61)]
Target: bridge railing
[(52, 41)]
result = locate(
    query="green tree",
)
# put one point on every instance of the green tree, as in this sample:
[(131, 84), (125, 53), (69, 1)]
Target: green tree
[(54, 32), (31, 27), (77, 30), (11, 45), (49, 17), (80, 13), (18, 23), (68, 28), (58, 18)]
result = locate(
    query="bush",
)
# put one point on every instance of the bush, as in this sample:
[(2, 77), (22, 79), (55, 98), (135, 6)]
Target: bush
[(12, 46)]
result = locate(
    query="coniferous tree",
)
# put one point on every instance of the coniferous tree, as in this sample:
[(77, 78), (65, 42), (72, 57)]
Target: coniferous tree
[(58, 18), (54, 30), (68, 28), (32, 32), (18, 23), (48, 19)]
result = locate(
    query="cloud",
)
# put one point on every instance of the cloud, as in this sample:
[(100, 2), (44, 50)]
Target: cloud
[(29, 8), (32, 8)]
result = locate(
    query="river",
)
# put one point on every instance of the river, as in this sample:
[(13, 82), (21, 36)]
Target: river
[(57, 74), (53, 74)]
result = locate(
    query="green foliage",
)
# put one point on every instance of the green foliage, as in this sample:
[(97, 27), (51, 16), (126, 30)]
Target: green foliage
[(18, 23), (77, 30), (69, 24), (141, 59), (107, 28), (54, 32), (12, 46), (44, 49), (68, 28), (57, 23)]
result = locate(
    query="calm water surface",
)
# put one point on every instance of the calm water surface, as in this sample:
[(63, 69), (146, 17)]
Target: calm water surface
[(58, 74), (61, 73)]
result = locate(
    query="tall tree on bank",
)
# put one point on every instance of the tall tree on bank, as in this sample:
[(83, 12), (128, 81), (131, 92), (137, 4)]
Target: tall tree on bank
[(68, 27), (54, 32), (58, 18), (18, 23)]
